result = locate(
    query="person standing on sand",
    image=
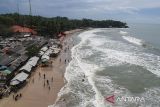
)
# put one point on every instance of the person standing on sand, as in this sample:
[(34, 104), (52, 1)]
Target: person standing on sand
[(51, 63), (13, 96), (33, 80), (47, 82), (52, 79)]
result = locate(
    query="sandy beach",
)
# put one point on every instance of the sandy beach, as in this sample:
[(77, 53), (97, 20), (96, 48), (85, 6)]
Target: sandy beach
[(37, 93)]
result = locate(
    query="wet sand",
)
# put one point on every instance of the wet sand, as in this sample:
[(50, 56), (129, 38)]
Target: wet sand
[(35, 93)]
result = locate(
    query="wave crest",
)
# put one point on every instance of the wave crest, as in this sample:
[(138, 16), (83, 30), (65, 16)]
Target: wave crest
[(133, 40)]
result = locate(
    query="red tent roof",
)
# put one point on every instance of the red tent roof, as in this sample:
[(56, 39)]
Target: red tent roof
[(62, 34), (20, 29)]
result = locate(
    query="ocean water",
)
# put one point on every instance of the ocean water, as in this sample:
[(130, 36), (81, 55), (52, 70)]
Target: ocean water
[(114, 61)]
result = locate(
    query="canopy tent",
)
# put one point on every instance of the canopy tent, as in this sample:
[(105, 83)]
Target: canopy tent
[(45, 57), (34, 58), (44, 49), (14, 82), (27, 67), (33, 61), (56, 51), (6, 71), (21, 29), (41, 53), (3, 67), (53, 47), (27, 35), (19, 78), (48, 52)]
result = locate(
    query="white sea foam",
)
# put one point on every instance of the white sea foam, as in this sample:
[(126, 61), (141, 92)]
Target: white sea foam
[(133, 40), (149, 61), (115, 54), (89, 69), (123, 32), (113, 57), (152, 97)]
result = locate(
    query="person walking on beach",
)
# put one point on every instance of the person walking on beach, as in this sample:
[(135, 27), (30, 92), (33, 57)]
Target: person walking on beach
[(39, 74), (20, 95), (49, 88), (16, 97), (44, 84), (47, 82), (52, 79), (44, 76)]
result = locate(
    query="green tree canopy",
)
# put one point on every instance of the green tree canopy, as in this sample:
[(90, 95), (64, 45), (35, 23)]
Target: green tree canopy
[(52, 26)]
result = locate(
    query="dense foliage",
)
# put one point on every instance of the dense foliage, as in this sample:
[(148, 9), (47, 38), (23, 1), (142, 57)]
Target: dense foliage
[(32, 50), (52, 26)]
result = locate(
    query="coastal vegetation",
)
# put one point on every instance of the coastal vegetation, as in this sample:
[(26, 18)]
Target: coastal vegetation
[(32, 50), (51, 26)]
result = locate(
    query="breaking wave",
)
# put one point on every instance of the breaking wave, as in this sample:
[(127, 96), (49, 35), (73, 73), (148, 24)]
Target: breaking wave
[(133, 40), (99, 64), (123, 32)]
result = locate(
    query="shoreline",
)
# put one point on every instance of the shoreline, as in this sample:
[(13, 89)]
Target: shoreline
[(35, 93), (60, 99)]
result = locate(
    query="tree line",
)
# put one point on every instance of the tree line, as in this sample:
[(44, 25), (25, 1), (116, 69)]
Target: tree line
[(51, 26)]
